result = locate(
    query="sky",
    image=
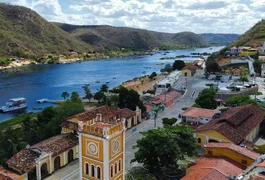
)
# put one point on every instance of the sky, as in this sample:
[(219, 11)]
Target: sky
[(198, 16)]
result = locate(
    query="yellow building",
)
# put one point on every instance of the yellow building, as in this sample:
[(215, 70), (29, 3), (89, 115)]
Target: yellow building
[(45, 157), (189, 70), (236, 125), (239, 154), (102, 144)]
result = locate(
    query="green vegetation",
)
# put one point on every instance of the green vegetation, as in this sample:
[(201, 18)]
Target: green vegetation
[(139, 173), (4, 62), (254, 37), (169, 121), (206, 99), (152, 75), (16, 121), (219, 39), (211, 65), (36, 127), (167, 68), (178, 65), (108, 37), (260, 149), (239, 101), (162, 148), (128, 98)]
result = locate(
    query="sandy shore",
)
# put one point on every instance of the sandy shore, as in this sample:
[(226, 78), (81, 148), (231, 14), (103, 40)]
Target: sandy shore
[(143, 83)]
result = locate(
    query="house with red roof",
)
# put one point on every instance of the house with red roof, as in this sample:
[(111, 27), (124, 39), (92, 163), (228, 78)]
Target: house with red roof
[(237, 125), (197, 116), (213, 168), (43, 158)]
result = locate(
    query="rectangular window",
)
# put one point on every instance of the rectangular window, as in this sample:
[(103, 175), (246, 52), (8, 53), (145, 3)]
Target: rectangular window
[(210, 152), (244, 161)]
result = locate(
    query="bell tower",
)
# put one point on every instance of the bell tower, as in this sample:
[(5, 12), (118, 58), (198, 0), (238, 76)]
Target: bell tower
[(101, 149)]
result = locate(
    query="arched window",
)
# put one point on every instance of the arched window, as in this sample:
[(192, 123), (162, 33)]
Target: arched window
[(111, 171), (92, 170), (199, 140), (115, 168), (99, 172), (87, 168), (120, 165)]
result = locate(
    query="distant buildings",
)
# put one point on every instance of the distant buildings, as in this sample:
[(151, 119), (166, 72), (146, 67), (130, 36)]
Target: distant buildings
[(168, 82), (241, 51), (189, 70)]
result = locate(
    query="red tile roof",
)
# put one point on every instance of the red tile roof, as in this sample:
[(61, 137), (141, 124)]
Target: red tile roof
[(148, 107), (236, 148), (24, 161), (217, 168), (3, 177), (199, 112), (237, 122), (191, 68), (261, 164), (106, 112), (125, 113), (7, 174), (166, 97)]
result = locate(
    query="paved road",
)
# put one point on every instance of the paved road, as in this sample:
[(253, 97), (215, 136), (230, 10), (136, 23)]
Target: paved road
[(193, 84)]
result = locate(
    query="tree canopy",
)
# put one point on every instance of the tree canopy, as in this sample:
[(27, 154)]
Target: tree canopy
[(164, 147), (37, 127), (169, 121), (104, 88), (239, 101), (178, 65), (167, 68), (206, 99), (129, 99), (88, 93), (65, 95)]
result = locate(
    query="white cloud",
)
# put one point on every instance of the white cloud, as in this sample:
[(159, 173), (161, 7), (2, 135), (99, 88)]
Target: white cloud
[(199, 16)]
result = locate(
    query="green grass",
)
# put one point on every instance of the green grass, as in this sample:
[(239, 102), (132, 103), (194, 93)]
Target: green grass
[(15, 121), (139, 174)]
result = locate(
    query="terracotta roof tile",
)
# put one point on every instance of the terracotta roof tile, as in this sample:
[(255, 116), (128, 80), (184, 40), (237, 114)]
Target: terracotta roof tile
[(7, 174), (216, 167), (236, 148), (261, 164), (3, 177), (236, 123), (199, 112), (190, 67), (24, 161), (125, 113)]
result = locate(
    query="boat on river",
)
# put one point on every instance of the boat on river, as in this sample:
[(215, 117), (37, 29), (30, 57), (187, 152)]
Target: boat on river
[(14, 104)]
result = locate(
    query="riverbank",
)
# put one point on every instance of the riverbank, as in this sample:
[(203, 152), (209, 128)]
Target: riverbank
[(143, 83)]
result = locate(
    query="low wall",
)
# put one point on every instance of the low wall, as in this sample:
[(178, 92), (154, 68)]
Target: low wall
[(225, 95)]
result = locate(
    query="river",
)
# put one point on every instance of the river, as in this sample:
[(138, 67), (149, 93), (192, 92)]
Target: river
[(49, 81)]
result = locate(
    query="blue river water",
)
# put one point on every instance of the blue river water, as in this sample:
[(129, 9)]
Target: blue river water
[(49, 81)]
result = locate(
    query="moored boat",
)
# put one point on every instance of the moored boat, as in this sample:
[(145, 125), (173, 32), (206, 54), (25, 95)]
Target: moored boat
[(14, 104)]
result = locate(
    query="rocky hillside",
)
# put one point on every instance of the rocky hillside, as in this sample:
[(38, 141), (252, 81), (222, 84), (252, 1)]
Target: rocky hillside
[(254, 37), (219, 39), (24, 33), (103, 37)]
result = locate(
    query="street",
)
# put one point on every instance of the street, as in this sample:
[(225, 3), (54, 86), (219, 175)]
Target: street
[(193, 84)]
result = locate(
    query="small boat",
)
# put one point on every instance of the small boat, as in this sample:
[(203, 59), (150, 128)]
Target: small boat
[(114, 77), (97, 81), (107, 82), (42, 100), (14, 104)]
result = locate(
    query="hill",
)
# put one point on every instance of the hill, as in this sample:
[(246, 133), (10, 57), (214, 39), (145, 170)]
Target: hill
[(219, 39), (254, 37), (109, 37), (24, 33)]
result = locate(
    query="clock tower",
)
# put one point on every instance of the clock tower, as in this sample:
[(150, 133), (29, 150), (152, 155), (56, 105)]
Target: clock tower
[(101, 149)]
